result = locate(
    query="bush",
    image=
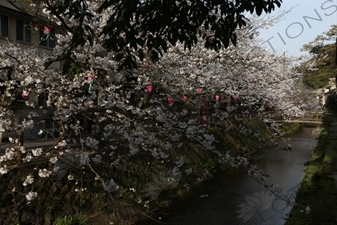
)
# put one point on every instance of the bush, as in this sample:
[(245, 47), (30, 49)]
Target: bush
[(76, 220)]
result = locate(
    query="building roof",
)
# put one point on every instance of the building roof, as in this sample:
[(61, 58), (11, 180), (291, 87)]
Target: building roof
[(8, 5), (9, 8)]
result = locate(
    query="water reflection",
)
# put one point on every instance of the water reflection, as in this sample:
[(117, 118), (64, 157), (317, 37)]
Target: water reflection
[(217, 202)]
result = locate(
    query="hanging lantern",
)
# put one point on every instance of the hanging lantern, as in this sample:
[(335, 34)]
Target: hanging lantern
[(170, 100), (25, 95), (235, 98), (185, 97), (149, 88), (47, 31), (217, 97), (91, 78), (199, 90)]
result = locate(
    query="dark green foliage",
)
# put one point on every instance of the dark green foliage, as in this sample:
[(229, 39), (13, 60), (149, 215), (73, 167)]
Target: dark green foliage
[(137, 27), (331, 102), (320, 67), (71, 69), (76, 220), (322, 64), (317, 49)]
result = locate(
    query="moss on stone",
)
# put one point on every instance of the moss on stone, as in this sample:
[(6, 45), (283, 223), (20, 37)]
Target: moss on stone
[(318, 188)]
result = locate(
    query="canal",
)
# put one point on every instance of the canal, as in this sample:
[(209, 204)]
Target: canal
[(217, 201)]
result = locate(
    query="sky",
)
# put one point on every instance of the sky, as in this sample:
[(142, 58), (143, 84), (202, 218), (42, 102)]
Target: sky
[(306, 20)]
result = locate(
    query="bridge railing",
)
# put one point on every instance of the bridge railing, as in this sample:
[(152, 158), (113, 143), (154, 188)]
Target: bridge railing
[(309, 115)]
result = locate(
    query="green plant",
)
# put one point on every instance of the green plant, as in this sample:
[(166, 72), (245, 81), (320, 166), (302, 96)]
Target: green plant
[(209, 164), (317, 184), (55, 201), (50, 208), (125, 194), (15, 221), (79, 219)]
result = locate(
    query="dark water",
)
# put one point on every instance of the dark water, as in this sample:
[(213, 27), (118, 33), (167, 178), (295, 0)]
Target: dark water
[(216, 202)]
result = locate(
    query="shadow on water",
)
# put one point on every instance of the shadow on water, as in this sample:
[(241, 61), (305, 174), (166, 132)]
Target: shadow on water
[(217, 202)]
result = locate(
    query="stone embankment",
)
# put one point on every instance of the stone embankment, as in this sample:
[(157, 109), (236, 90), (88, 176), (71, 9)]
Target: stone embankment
[(316, 201)]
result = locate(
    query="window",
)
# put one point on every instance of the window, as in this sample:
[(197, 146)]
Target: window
[(4, 26), (42, 99), (23, 32), (47, 37)]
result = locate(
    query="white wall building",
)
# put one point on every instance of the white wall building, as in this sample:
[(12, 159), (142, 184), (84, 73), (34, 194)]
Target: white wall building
[(20, 27)]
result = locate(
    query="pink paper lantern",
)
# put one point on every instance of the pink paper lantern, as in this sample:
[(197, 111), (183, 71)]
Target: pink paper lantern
[(185, 97), (217, 97), (91, 77), (47, 29), (170, 100), (199, 90), (149, 88), (25, 95)]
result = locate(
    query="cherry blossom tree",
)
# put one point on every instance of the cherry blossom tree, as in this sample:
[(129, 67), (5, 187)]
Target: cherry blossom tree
[(147, 116), (135, 29)]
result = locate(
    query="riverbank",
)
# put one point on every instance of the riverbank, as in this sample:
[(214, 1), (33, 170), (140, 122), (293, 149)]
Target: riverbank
[(63, 199), (133, 187), (217, 201), (316, 201)]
